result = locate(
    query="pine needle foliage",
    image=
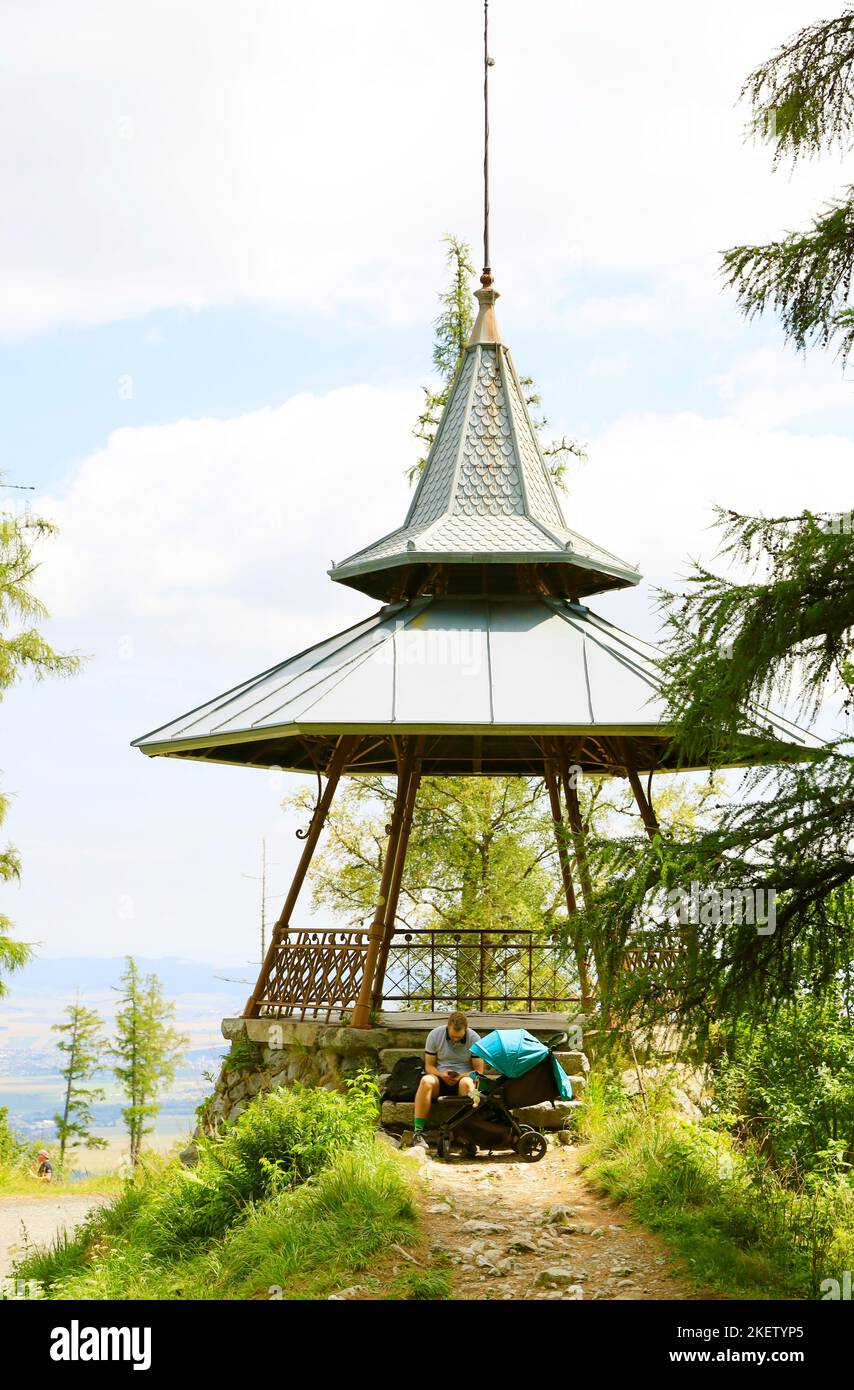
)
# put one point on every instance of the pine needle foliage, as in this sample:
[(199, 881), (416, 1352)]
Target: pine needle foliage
[(23, 652), (802, 104)]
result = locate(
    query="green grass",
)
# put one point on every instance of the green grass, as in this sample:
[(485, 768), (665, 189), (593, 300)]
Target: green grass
[(299, 1244), (15, 1181), (734, 1224), (426, 1285), (297, 1200)]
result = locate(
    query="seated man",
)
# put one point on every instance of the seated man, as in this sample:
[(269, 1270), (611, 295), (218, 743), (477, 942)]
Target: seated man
[(450, 1069)]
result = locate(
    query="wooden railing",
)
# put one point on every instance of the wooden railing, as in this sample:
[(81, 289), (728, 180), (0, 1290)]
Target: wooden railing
[(317, 971)]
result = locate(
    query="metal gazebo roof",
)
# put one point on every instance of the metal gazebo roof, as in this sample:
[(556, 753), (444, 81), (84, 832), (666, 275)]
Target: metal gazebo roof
[(484, 680)]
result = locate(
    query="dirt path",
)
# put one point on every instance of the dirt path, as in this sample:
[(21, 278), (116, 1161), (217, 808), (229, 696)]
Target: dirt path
[(537, 1230), (36, 1220)]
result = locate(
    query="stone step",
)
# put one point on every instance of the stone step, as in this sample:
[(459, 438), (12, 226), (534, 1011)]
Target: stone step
[(402, 1113), (570, 1061)]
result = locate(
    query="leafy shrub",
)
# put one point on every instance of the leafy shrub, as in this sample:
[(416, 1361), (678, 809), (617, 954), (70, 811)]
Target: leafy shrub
[(12, 1149), (788, 1085), (283, 1138)]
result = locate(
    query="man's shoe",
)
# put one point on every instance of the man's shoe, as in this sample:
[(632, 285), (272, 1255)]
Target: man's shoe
[(418, 1140)]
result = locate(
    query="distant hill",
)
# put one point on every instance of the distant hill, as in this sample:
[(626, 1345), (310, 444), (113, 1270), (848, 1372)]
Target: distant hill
[(95, 974)]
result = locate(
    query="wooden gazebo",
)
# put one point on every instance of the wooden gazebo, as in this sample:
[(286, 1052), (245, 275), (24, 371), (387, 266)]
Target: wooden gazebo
[(483, 660)]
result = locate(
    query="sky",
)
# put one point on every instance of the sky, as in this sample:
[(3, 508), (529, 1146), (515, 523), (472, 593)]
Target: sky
[(219, 264)]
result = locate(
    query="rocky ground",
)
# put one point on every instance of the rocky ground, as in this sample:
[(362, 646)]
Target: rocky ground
[(515, 1230)]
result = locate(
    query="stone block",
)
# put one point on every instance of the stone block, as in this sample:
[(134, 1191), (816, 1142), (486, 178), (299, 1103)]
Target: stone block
[(346, 1040), (353, 1062), (390, 1055), (548, 1116), (409, 1039), (573, 1063), (276, 1033)]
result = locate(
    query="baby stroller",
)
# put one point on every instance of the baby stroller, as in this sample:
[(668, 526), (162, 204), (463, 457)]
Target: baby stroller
[(529, 1074)]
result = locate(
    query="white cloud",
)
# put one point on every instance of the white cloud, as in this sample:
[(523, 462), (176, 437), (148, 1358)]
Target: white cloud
[(668, 470), (211, 530), (206, 528), (313, 155), (767, 388)]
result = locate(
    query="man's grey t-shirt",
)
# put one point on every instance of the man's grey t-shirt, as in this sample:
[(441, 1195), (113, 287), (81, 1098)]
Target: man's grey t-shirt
[(449, 1054)]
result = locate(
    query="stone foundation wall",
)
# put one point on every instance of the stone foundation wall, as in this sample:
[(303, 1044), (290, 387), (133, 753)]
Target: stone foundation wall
[(266, 1053)]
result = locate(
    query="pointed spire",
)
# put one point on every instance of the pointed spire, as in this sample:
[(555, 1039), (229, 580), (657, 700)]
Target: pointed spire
[(485, 329), (485, 517), (485, 501)]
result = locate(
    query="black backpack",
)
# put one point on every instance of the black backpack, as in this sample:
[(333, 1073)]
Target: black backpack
[(403, 1079)]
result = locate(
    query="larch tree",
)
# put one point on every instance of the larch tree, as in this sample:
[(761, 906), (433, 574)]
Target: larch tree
[(802, 104), (781, 631), (452, 329), (147, 1050), (23, 652), (82, 1045)]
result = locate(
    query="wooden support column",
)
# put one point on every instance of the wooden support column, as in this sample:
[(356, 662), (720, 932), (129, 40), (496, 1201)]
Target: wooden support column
[(343, 748), (568, 885), (650, 823), (563, 856), (579, 840), (397, 877), (362, 1011), (576, 826)]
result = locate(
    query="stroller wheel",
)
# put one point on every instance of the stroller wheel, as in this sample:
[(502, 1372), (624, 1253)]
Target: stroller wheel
[(470, 1149), (443, 1147), (532, 1146)]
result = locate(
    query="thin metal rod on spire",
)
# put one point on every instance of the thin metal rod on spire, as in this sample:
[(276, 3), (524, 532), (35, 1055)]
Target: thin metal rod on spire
[(486, 277)]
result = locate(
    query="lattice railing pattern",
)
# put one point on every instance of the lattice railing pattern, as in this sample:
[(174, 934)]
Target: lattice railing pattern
[(478, 970), (316, 972)]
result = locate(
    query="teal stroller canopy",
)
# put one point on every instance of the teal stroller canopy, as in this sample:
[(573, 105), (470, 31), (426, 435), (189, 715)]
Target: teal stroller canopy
[(515, 1051)]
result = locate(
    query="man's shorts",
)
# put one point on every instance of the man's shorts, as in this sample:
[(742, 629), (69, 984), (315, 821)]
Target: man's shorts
[(447, 1089)]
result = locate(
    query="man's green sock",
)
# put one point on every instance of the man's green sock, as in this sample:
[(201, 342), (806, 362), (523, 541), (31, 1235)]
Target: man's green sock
[(419, 1125)]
